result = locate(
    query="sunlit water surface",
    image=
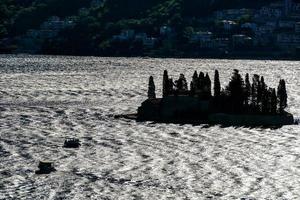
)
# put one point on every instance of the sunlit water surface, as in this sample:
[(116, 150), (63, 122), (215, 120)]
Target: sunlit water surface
[(44, 99)]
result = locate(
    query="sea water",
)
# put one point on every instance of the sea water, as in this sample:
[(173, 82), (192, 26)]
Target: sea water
[(45, 99)]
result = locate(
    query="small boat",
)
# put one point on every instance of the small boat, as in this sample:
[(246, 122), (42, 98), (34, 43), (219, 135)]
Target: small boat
[(45, 167), (72, 143)]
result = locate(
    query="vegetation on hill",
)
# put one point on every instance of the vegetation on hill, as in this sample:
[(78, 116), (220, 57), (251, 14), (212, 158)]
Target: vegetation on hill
[(8, 10), (95, 26)]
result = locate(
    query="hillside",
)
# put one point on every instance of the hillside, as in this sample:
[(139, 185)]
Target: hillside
[(95, 26), (18, 16)]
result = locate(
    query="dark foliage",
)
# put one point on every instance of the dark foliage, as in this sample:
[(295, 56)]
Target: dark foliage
[(282, 96), (166, 84), (94, 28), (217, 84), (33, 15), (238, 97), (207, 86), (273, 101), (151, 88), (181, 84), (194, 83), (235, 91), (247, 90)]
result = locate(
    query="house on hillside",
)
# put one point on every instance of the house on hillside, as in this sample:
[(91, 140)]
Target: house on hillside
[(286, 24), (241, 40), (271, 12), (232, 14), (251, 26), (288, 40), (297, 27), (125, 35), (221, 43), (148, 42), (32, 41), (201, 37), (166, 31), (205, 39), (229, 25)]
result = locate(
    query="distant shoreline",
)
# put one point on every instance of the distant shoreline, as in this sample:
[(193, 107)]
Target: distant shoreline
[(229, 57)]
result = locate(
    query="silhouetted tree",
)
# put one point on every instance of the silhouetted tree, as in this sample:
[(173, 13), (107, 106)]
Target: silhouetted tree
[(263, 85), (247, 90), (192, 89), (151, 88), (195, 77), (217, 84), (265, 102), (237, 96), (254, 92), (224, 103), (207, 86), (282, 96), (184, 83), (181, 83), (166, 82), (201, 81), (264, 98), (194, 83), (273, 102), (259, 95), (170, 86), (236, 91), (269, 107)]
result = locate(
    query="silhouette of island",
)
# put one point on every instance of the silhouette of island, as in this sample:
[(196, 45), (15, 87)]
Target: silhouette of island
[(240, 103)]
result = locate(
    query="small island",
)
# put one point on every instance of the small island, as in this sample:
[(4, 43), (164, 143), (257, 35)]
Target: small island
[(240, 103)]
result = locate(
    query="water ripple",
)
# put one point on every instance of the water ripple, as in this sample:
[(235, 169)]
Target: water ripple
[(44, 99)]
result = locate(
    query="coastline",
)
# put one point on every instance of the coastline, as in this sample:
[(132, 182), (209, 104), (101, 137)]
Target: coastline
[(212, 57), (225, 120)]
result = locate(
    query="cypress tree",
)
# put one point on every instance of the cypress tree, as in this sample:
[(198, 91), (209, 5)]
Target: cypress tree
[(151, 88), (259, 95), (263, 84), (247, 89), (195, 77), (201, 81), (207, 87), (236, 90), (194, 83), (170, 86), (166, 82), (217, 84), (273, 102), (184, 83), (255, 92), (253, 97), (270, 91), (181, 83), (192, 93), (264, 96), (282, 96)]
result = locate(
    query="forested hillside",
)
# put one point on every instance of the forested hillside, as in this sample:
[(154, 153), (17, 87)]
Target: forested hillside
[(20, 15), (96, 25)]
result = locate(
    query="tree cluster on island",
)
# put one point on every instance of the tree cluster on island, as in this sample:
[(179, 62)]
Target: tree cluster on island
[(238, 97)]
